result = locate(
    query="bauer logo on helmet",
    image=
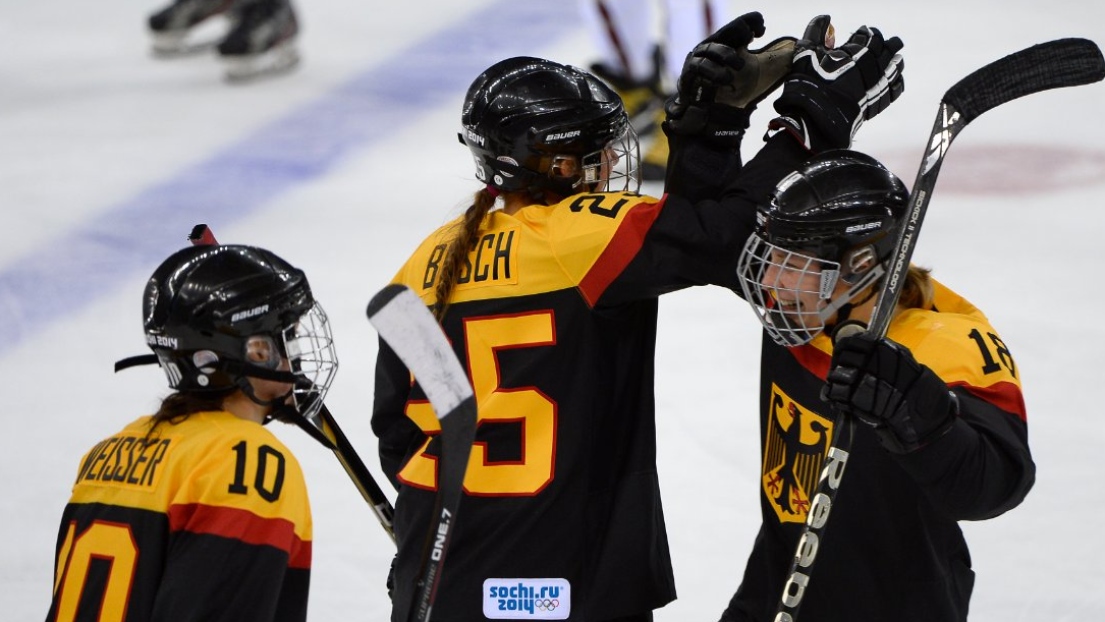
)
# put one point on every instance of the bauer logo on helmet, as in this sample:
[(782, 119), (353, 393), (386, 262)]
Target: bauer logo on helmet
[(249, 313), (867, 226), (563, 136)]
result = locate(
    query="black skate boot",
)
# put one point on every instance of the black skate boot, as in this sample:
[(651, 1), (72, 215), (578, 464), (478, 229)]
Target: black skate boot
[(175, 29), (262, 40)]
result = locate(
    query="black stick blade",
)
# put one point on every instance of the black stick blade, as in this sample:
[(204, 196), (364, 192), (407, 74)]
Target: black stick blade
[(1050, 65)]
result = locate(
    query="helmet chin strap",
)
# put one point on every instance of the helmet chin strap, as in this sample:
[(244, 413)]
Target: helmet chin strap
[(559, 187), (537, 184), (838, 314), (242, 372), (284, 412), (247, 388)]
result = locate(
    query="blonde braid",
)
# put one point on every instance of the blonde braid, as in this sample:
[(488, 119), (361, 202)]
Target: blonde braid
[(459, 248), (917, 293)]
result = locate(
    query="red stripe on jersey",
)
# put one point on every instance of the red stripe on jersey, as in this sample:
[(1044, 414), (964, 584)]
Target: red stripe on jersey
[(244, 526), (816, 361), (1005, 395), (621, 249)]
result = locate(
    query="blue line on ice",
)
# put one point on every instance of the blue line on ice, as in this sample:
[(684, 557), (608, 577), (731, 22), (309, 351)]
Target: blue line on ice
[(91, 260)]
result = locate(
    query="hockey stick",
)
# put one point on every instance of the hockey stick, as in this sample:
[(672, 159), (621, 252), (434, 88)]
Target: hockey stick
[(407, 326), (324, 428), (357, 470), (1051, 65)]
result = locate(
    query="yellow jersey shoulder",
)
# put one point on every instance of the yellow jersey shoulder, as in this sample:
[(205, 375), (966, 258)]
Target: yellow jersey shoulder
[(957, 341), (209, 458), (539, 248)]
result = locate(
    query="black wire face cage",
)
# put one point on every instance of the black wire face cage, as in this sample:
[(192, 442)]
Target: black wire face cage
[(309, 345), (618, 162), (613, 168), (780, 284)]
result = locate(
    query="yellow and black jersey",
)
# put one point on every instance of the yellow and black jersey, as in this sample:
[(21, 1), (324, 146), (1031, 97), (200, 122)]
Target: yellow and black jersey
[(206, 519), (561, 484), (554, 318), (894, 550)]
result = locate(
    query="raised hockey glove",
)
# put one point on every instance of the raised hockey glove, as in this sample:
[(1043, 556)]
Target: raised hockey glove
[(722, 81), (830, 92), (881, 384)]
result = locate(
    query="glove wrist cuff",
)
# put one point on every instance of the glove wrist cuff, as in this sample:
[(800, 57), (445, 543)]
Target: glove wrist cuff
[(806, 134), (894, 443), (718, 124)]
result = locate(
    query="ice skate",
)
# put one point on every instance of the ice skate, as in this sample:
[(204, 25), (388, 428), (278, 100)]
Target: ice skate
[(184, 27), (262, 41)]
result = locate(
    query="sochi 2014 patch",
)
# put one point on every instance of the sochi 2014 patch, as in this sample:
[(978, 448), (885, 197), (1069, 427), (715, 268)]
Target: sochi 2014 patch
[(527, 599)]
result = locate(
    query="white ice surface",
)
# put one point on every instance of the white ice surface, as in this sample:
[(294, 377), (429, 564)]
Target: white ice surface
[(107, 156)]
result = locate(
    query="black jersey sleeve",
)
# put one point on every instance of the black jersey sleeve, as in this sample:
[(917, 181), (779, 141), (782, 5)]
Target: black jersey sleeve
[(981, 468), (698, 170), (396, 432), (704, 222)]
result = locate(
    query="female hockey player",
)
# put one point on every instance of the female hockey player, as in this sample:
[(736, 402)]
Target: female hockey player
[(547, 287), (198, 512), (945, 436)]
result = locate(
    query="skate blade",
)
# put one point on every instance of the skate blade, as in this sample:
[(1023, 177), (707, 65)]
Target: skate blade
[(180, 49), (279, 60), (196, 40)]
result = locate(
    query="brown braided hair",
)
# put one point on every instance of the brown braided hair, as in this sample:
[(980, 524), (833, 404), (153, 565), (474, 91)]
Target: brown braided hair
[(465, 238)]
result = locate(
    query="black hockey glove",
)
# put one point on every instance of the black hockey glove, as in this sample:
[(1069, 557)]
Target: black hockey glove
[(722, 81), (880, 383), (830, 92)]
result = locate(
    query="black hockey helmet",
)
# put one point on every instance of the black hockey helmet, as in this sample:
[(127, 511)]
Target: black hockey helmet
[(205, 306), (835, 219), (523, 115), (837, 201)]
